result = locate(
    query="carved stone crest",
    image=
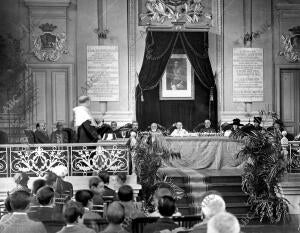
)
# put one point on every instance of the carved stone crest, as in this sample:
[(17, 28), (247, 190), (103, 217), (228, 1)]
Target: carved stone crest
[(291, 45), (49, 45)]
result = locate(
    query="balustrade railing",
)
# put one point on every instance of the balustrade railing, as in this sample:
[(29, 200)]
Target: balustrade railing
[(80, 159), (291, 150)]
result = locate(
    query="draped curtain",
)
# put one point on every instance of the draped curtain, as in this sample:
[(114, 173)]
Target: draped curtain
[(159, 47)]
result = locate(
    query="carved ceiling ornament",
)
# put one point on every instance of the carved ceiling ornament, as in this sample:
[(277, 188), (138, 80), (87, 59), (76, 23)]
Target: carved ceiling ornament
[(184, 11), (291, 45), (49, 45)]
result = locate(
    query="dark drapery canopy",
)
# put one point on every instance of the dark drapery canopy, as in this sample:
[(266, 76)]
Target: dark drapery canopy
[(159, 47)]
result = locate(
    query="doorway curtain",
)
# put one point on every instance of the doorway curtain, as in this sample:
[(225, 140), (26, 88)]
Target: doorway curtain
[(159, 47)]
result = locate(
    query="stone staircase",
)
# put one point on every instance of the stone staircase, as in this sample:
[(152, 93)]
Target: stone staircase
[(195, 183)]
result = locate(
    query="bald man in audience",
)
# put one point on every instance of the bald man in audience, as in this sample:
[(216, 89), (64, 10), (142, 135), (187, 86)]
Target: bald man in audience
[(207, 127), (211, 205), (223, 223)]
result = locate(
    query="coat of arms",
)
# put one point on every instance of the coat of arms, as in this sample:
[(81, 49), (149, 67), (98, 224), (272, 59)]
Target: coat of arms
[(49, 45), (291, 45)]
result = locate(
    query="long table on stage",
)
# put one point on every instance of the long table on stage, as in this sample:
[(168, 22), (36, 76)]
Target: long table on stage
[(204, 152)]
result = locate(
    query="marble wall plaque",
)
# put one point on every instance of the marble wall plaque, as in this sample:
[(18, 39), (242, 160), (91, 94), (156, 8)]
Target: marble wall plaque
[(248, 75), (103, 73)]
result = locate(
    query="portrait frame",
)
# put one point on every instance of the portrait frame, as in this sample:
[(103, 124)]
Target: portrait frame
[(177, 82)]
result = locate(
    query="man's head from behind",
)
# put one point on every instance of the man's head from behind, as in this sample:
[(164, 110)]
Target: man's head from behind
[(19, 201), (212, 204), (84, 197), (161, 192), (37, 184), (166, 206), (223, 223), (125, 193), (72, 211), (115, 213), (45, 195)]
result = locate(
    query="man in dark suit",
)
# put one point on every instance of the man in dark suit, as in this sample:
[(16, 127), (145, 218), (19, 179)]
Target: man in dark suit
[(40, 134), (73, 212), (19, 221), (45, 210), (166, 208)]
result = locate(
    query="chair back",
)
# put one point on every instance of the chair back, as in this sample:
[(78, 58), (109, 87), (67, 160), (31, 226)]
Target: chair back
[(100, 209), (138, 224)]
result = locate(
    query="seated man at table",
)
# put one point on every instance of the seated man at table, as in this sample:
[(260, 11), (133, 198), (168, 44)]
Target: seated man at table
[(40, 134), (154, 129), (179, 131), (113, 133), (59, 136), (207, 127)]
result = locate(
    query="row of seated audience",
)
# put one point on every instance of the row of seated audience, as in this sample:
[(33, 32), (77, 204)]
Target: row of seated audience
[(29, 211)]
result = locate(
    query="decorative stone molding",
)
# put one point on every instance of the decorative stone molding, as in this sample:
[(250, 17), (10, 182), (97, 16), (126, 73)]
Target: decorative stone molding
[(51, 12)]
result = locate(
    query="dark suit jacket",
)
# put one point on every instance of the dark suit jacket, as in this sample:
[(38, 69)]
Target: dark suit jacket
[(41, 137), (21, 224), (108, 192), (78, 228), (44, 214), (161, 224), (63, 187)]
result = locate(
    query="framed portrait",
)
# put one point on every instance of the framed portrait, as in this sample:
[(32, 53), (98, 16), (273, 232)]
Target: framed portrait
[(177, 82)]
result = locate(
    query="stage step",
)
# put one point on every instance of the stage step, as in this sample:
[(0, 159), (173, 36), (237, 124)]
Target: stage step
[(196, 182)]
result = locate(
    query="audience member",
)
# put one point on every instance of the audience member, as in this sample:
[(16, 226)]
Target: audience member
[(223, 223), (158, 194), (59, 136), (211, 205), (21, 179), (40, 134), (45, 210), (96, 185), (85, 197), (115, 216), (8, 209), (166, 208), (107, 193), (132, 210), (121, 179), (179, 131), (73, 213), (19, 221), (50, 178), (37, 184), (61, 186)]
